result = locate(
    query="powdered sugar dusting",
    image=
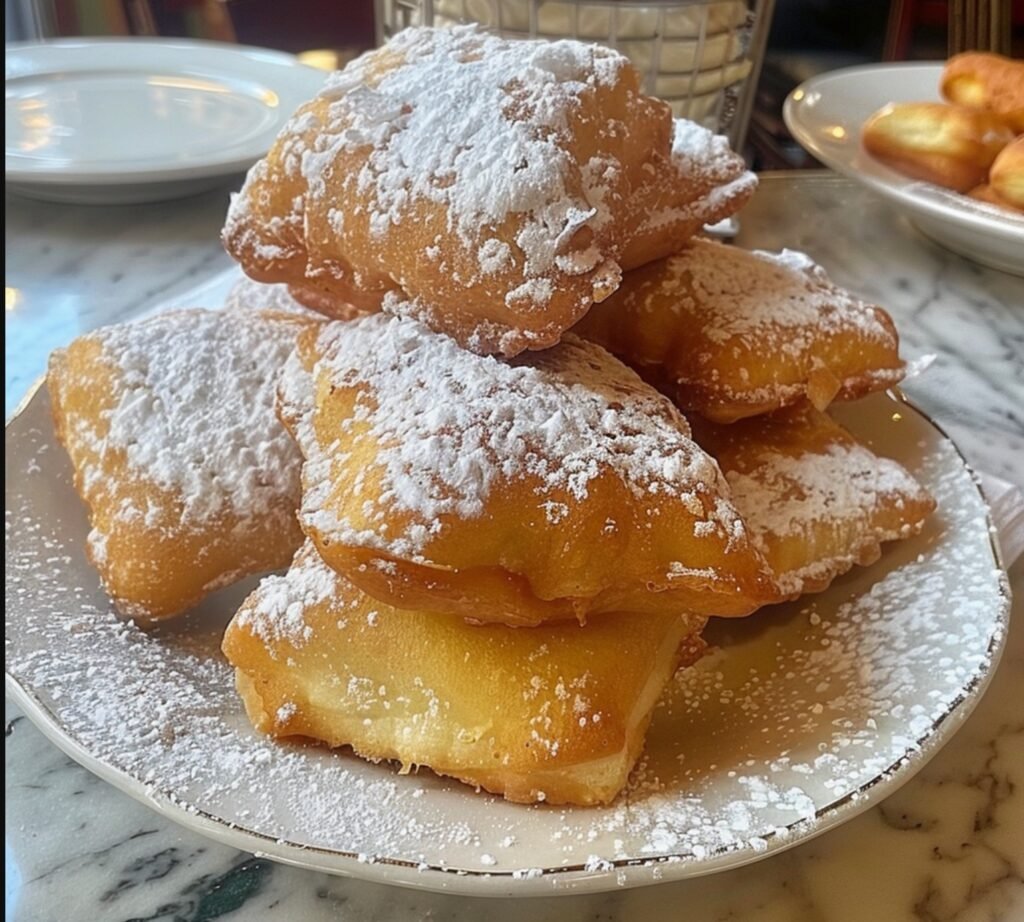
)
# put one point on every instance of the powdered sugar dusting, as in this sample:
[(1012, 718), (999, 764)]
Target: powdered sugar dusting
[(484, 164), (801, 709), (700, 153), (193, 410), (278, 610), (784, 496), (746, 292), (451, 425), (505, 153), (705, 161), (247, 294)]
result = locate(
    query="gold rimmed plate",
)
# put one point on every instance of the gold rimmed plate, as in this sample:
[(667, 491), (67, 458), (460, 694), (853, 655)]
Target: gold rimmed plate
[(801, 717)]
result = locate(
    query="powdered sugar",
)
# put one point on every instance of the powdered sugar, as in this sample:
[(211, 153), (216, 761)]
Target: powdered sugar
[(278, 610), (701, 154), (704, 161), (450, 425), (247, 294), (483, 164), (193, 410), (784, 492)]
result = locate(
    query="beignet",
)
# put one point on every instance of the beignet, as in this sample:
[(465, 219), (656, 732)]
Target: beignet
[(486, 186), (732, 333), (190, 479), (516, 491), (816, 501), (554, 713)]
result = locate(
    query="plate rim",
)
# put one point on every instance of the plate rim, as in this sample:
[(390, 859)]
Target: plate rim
[(1009, 227), (282, 61), (613, 874)]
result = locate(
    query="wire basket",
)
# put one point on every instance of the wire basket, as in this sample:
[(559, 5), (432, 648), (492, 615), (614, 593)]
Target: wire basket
[(703, 57)]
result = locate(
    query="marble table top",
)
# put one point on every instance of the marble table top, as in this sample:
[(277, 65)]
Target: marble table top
[(948, 846)]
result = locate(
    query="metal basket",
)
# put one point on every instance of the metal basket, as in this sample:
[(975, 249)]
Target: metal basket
[(703, 57)]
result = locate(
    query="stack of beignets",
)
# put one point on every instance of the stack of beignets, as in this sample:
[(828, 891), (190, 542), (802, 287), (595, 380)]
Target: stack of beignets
[(506, 537)]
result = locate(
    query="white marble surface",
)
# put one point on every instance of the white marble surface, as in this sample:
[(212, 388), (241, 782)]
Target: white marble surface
[(948, 846)]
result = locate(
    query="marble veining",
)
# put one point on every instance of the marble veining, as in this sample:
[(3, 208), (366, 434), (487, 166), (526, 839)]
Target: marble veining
[(948, 847)]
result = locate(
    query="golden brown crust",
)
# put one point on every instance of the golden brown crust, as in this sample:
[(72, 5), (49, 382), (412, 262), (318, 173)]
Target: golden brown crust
[(730, 333), (168, 525), (326, 303), (1006, 177), (555, 713), (951, 146), (817, 501), (603, 505), (981, 80)]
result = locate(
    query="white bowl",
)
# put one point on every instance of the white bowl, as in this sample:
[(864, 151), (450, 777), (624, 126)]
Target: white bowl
[(826, 113)]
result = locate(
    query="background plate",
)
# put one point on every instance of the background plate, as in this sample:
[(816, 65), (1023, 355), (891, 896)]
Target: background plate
[(804, 716), (825, 115), (142, 119)]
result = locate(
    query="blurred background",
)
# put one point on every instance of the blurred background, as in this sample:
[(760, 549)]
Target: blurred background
[(728, 63)]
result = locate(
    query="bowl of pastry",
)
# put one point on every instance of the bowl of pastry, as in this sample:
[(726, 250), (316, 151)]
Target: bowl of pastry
[(569, 575), (943, 141)]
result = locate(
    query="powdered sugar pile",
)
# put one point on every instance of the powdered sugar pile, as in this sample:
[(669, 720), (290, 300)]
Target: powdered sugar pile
[(450, 426), (801, 710), (193, 411)]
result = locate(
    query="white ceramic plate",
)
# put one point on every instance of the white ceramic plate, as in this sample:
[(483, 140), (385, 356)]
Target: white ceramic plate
[(825, 115), (805, 715), (132, 120)]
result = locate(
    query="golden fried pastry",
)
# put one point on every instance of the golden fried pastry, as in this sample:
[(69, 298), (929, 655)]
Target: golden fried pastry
[(816, 500), (951, 146), (481, 184), (985, 193), (667, 214), (555, 713), (190, 479), (981, 80), (324, 303), (732, 333), (1007, 175), (507, 491)]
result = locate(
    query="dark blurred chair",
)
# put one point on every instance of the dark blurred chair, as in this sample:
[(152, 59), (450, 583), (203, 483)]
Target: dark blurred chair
[(971, 25)]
